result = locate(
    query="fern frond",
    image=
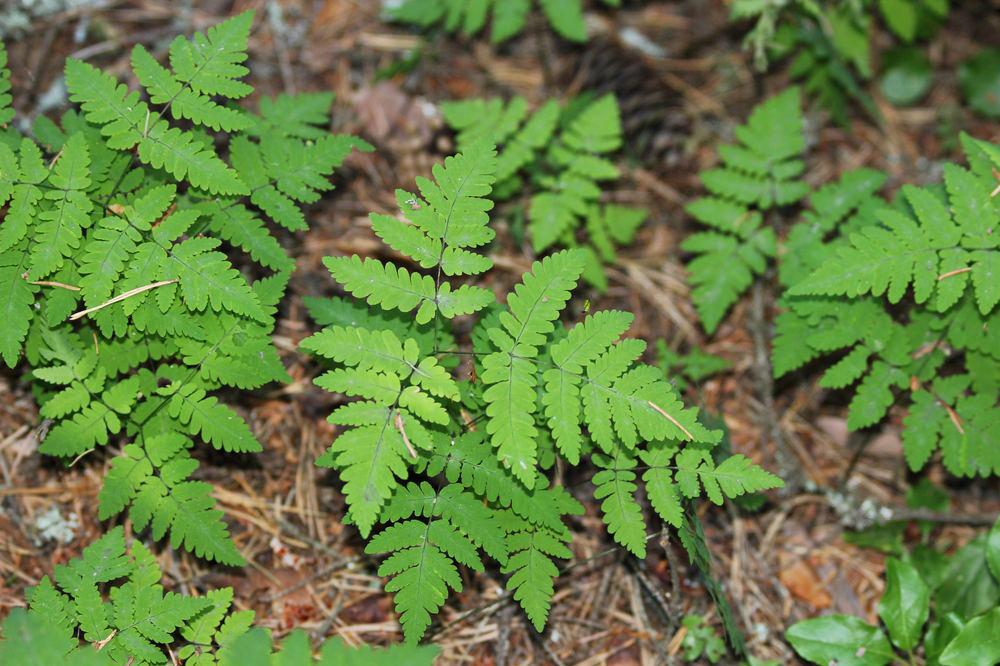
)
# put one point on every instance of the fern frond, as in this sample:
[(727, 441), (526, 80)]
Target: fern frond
[(385, 285), (184, 102), (511, 395), (60, 228), (596, 130), (761, 172), (6, 112), (240, 227), (925, 246), (128, 122), (422, 566), (621, 511), (960, 427), (532, 548), (16, 298), (724, 268), (93, 424), (210, 63), (207, 279), (216, 423), (297, 115)]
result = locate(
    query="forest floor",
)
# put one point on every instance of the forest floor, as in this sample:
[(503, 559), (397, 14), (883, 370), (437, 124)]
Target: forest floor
[(784, 562)]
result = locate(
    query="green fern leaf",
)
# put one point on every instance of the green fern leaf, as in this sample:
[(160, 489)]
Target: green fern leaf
[(197, 525), (530, 564), (511, 396), (184, 102), (214, 422), (874, 395), (371, 458), (60, 228), (16, 298), (210, 63), (297, 115), (6, 112), (385, 285), (735, 476), (126, 121), (597, 129), (238, 226), (207, 279), (663, 493), (621, 511), (422, 567)]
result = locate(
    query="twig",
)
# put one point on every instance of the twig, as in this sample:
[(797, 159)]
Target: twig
[(791, 470), (402, 431), (128, 294), (642, 583), (540, 640), (503, 635), (675, 605), (49, 283), (957, 271), (670, 418)]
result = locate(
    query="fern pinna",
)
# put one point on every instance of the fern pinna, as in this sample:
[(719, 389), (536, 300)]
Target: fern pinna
[(109, 607), (564, 168), (908, 292), (115, 269), (509, 16), (758, 175), (456, 468)]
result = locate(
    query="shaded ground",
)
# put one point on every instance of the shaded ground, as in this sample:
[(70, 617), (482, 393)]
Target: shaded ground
[(780, 564)]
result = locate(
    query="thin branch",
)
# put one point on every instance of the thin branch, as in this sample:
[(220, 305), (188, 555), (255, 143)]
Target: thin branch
[(128, 294), (402, 431), (958, 271), (670, 418), (50, 283)]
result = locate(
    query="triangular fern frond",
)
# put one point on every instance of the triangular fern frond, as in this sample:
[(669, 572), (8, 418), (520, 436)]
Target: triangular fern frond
[(621, 512), (210, 63), (758, 174), (422, 566), (532, 549)]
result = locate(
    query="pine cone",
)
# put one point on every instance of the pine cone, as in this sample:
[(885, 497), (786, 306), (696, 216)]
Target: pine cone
[(653, 121)]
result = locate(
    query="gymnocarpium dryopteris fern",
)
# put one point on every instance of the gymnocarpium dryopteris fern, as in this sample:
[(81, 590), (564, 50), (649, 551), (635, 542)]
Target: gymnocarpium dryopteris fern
[(109, 607), (457, 468), (758, 174), (563, 154), (907, 293), (509, 16), (115, 269)]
